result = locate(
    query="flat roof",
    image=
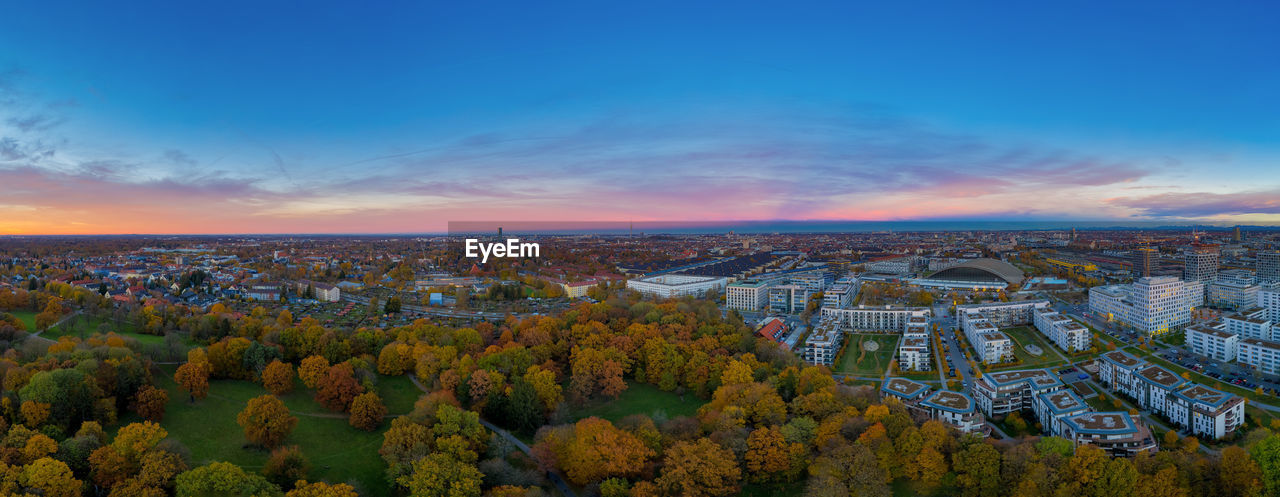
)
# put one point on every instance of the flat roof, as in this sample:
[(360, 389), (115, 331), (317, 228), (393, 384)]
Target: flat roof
[(1121, 358), (1038, 377), (1200, 328), (1256, 342), (1206, 395), (1102, 422), (1063, 401), (903, 387), (949, 401), (1160, 376)]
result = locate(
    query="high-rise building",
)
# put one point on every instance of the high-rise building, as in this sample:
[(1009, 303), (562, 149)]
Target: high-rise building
[(1143, 260), (1201, 264), (1235, 234), (1268, 267), (1151, 305)]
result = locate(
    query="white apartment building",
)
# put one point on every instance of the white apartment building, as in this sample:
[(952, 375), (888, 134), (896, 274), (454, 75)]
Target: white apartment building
[(899, 265), (822, 345), (1200, 409), (839, 296), (955, 409), (1211, 342), (1003, 314), (1067, 334), (1251, 323), (1269, 299), (1151, 305), (676, 285), (1053, 407), (1262, 355), (1003, 392), (750, 295), (913, 352), (992, 345), (876, 318)]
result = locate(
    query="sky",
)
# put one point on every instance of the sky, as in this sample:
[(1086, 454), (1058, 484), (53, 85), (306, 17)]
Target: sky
[(315, 117)]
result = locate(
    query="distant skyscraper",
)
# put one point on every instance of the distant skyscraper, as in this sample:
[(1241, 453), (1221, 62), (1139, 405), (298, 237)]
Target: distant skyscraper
[(1235, 234), (1268, 267), (1143, 260), (1201, 264)]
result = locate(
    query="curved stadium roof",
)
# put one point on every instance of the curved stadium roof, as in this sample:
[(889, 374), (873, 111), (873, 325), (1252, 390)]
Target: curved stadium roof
[(981, 270)]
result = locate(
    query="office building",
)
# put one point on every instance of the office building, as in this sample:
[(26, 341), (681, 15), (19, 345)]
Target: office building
[(749, 295), (1201, 263), (1232, 294), (788, 299), (839, 296), (1151, 305), (1268, 267)]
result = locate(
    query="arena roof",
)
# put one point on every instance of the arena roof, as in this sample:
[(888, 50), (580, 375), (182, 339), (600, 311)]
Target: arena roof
[(992, 268)]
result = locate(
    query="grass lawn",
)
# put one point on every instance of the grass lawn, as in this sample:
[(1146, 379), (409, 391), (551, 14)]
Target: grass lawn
[(1023, 336), (858, 361), (85, 326), (27, 317), (640, 398), (337, 452)]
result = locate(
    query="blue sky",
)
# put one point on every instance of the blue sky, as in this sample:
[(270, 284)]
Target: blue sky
[(265, 116)]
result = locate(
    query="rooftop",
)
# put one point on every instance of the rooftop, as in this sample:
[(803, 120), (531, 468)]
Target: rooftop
[(1206, 395), (1037, 377), (903, 387), (1160, 376), (1121, 358), (1102, 422), (949, 401), (1064, 401)]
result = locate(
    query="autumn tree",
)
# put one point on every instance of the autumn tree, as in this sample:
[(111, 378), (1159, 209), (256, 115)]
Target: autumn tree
[(596, 449), (367, 411), (321, 489), (313, 369), (1266, 453), (50, 478), (339, 388), (977, 469), (277, 377), (697, 469), (286, 465), (34, 413), (266, 421), (768, 455), (441, 475), (150, 403), (194, 378), (222, 479), (1238, 474)]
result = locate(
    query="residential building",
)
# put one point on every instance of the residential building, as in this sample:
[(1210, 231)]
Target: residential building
[(749, 295), (1002, 314), (955, 409), (677, 285), (896, 265), (991, 345), (823, 343), (876, 318), (1053, 407), (1262, 355), (914, 353), (1065, 332), (1116, 433), (1211, 342), (1251, 323), (1152, 305), (999, 393), (1269, 299), (1205, 411), (907, 391), (1197, 408)]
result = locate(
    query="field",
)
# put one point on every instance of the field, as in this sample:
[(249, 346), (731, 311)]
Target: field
[(640, 398), (337, 452), (28, 318), (861, 362), (1023, 336)]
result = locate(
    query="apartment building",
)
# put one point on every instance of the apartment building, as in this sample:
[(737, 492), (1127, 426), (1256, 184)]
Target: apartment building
[(1200, 409), (876, 318), (1063, 331), (914, 351), (677, 285), (1251, 323), (991, 345), (1213, 343), (1003, 392), (1116, 433), (1262, 355), (907, 391), (823, 343), (1269, 299), (1052, 408), (1003, 314), (955, 409)]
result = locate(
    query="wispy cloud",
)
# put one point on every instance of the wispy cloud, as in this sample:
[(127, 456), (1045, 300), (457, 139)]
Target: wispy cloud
[(1203, 204)]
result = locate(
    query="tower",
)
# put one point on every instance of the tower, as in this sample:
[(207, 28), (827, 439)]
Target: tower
[(1268, 266), (1143, 260), (1235, 234), (1201, 263)]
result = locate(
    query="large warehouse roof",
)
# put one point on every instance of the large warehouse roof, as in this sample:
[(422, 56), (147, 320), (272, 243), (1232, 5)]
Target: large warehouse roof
[(990, 267)]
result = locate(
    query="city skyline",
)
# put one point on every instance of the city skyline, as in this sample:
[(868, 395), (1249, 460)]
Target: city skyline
[(335, 119)]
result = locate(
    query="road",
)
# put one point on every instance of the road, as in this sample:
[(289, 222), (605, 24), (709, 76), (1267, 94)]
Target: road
[(551, 475)]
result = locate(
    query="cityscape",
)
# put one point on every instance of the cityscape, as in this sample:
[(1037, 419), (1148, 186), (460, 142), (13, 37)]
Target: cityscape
[(606, 250)]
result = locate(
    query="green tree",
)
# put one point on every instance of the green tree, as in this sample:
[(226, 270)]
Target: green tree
[(223, 479), (978, 470), (440, 475)]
